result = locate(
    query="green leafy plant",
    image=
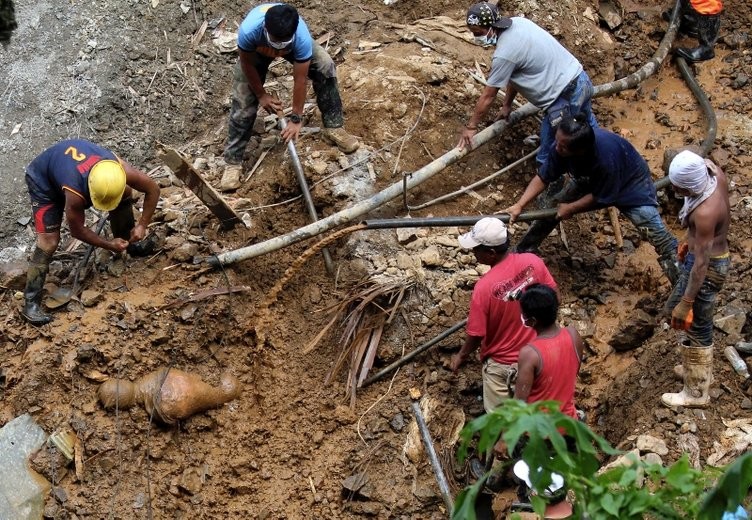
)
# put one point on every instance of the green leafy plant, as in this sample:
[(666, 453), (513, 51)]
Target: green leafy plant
[(633, 491)]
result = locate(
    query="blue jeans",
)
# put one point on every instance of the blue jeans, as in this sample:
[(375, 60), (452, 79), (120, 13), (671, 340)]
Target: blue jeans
[(700, 333), (650, 225), (575, 98)]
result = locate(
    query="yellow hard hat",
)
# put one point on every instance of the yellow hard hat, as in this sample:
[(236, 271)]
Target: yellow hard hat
[(106, 184)]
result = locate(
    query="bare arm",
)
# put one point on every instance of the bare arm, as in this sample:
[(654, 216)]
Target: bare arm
[(579, 206), (506, 108), (527, 365), (704, 233), (471, 344), (271, 104), (138, 180), (481, 108), (534, 188), (300, 81), (75, 215)]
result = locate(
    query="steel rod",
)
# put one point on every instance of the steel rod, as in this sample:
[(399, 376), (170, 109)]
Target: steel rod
[(405, 359), (438, 471), (303, 183)]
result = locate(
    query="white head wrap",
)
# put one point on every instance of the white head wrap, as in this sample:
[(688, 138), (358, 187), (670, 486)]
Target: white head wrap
[(690, 172)]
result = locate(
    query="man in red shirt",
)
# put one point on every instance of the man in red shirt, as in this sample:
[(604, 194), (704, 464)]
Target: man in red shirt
[(494, 322), (548, 365)]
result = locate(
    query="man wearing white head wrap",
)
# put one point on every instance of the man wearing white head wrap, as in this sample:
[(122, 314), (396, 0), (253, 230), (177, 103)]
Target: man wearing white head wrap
[(689, 172), (706, 215)]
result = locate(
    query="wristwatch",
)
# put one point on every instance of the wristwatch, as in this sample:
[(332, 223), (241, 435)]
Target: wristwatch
[(295, 118)]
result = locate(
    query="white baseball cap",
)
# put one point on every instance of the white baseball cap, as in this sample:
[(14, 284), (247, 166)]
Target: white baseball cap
[(488, 231)]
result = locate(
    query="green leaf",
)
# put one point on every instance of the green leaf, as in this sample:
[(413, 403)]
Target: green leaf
[(730, 490)]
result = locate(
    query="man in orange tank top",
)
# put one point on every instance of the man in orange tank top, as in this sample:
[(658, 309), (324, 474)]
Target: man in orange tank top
[(548, 365)]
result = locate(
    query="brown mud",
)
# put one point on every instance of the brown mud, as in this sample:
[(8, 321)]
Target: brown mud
[(283, 448)]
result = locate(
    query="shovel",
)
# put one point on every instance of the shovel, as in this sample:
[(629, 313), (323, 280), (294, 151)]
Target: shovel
[(62, 295)]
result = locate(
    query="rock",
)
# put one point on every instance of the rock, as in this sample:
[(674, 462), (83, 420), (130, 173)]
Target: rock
[(405, 261), (648, 443), (731, 320), (633, 333), (406, 235), (90, 298), (447, 241), (365, 508), (447, 306), (13, 275), (740, 81), (746, 404), (610, 14), (688, 443), (190, 481), (653, 458), (319, 166), (431, 256), (231, 178), (397, 423), (354, 483), (20, 438), (185, 252)]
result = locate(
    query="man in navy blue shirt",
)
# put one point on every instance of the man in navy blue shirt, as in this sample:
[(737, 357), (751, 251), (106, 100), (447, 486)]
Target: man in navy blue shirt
[(273, 31), (65, 180), (606, 171)]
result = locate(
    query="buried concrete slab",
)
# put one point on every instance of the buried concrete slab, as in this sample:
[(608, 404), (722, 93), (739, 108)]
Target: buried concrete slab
[(22, 491)]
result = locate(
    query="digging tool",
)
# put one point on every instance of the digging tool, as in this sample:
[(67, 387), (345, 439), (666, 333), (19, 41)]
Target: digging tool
[(431, 452), (298, 167), (61, 295)]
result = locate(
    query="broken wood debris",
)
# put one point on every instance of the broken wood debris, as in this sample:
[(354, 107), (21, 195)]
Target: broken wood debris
[(202, 189), (203, 295)]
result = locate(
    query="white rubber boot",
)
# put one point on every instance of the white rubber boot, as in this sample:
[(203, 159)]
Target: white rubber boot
[(698, 372)]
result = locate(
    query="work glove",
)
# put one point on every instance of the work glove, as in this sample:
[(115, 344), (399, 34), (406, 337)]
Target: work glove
[(681, 251), (682, 315)]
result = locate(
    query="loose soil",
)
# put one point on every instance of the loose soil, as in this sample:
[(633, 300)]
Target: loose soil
[(129, 76)]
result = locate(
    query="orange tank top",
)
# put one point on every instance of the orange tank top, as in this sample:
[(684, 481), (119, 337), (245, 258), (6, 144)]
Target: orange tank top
[(558, 373), (707, 6)]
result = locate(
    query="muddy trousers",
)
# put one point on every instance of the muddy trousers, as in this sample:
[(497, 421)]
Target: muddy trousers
[(323, 76), (700, 333), (646, 219), (39, 266)]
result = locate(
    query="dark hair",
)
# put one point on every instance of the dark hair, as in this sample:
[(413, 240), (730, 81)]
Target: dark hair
[(580, 133), (540, 302), (499, 250), (281, 21)]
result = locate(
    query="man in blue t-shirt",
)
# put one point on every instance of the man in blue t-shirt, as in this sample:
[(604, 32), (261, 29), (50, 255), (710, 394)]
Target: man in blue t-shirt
[(276, 31), (68, 178), (605, 171)]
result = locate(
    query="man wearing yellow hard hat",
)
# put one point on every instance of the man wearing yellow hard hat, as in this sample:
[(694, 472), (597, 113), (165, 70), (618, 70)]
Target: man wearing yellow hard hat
[(67, 178)]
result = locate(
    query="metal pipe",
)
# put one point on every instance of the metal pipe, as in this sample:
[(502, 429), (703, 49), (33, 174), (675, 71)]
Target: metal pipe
[(405, 359), (463, 220), (438, 471), (361, 208), (303, 183)]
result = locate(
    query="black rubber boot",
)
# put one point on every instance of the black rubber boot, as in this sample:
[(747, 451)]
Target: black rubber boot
[(708, 27), (39, 266)]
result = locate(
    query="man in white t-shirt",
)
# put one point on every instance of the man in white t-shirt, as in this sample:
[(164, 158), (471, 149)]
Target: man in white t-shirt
[(530, 61)]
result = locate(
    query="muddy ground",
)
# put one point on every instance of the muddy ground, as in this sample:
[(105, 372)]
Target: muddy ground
[(132, 76)]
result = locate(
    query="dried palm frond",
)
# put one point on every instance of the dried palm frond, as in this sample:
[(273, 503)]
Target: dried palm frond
[(368, 307)]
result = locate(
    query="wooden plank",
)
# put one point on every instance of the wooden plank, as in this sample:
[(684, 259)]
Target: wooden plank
[(203, 190)]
